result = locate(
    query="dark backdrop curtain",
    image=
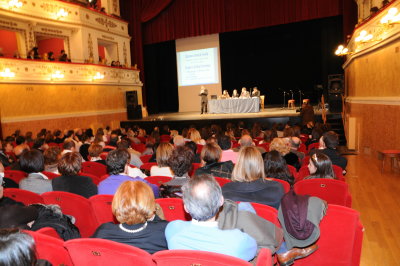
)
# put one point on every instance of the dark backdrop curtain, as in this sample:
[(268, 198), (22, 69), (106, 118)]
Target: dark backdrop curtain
[(294, 57), (161, 78)]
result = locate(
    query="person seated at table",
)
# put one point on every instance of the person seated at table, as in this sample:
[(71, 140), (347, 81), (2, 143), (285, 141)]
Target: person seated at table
[(244, 93), (225, 95), (255, 92), (235, 94)]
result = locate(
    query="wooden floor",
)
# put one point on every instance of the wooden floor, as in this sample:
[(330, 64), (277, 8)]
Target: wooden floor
[(376, 197)]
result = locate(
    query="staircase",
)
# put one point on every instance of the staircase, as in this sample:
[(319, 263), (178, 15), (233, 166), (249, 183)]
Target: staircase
[(336, 123)]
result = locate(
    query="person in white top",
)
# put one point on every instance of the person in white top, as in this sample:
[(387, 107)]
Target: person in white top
[(163, 153)]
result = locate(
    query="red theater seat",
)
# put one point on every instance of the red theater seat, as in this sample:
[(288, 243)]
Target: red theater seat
[(158, 180), (15, 175), (173, 209), (101, 205), (94, 168), (24, 196)]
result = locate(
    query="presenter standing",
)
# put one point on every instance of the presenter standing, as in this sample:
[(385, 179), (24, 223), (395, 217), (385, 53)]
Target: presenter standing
[(204, 99)]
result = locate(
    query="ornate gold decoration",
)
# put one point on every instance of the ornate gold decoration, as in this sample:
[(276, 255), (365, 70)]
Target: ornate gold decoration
[(52, 8), (125, 54), (107, 37), (90, 46), (106, 22), (51, 30)]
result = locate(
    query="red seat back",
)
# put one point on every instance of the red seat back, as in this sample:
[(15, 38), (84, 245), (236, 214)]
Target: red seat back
[(101, 205), (51, 249), (49, 231), (94, 168), (195, 257), (222, 181), (165, 138), (147, 166), (312, 146), (96, 180), (199, 148), (77, 206), (103, 155), (286, 185), (267, 212), (50, 175), (95, 251), (158, 180), (292, 171), (15, 175), (195, 166), (302, 148), (173, 209), (24, 196), (264, 145), (338, 172), (139, 147), (145, 158), (306, 160), (330, 190), (303, 172), (340, 240)]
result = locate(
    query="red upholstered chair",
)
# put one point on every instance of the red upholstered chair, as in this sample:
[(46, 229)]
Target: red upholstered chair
[(173, 209), (302, 148), (51, 249), (77, 206), (292, 171), (306, 160), (222, 181), (195, 166), (165, 138), (312, 146), (286, 185), (338, 172), (158, 180), (94, 168), (96, 179), (304, 138), (50, 175), (304, 172), (147, 166), (15, 175), (264, 145), (138, 147), (267, 212), (264, 257), (101, 205), (333, 191), (96, 252), (145, 158), (24, 196), (199, 148), (104, 177), (142, 139), (103, 155), (195, 257), (340, 241), (49, 231)]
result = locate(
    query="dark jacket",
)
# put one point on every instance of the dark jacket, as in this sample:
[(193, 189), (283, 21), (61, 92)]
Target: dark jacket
[(259, 191), (220, 169), (80, 185)]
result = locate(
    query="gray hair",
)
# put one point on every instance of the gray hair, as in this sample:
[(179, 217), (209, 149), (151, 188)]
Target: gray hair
[(202, 197)]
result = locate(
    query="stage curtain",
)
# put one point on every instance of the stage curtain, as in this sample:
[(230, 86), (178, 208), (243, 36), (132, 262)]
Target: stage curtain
[(151, 9), (187, 18)]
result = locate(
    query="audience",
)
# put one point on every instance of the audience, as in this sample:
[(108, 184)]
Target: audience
[(249, 184), (210, 156), (17, 248), (228, 154), (32, 162), (51, 157), (163, 153), (320, 166), (282, 145), (69, 181), (275, 167), (202, 198), (94, 152), (134, 207), (328, 144)]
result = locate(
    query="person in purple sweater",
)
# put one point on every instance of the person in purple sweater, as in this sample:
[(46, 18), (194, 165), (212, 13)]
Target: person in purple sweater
[(117, 165)]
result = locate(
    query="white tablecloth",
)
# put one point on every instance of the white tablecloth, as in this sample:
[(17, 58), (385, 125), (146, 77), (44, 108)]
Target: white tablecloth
[(235, 105)]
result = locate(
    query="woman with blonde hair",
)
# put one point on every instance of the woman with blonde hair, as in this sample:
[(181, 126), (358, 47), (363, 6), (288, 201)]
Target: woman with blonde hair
[(163, 152), (249, 183), (194, 135), (134, 207), (282, 145)]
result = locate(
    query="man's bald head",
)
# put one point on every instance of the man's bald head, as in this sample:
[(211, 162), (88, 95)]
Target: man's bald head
[(246, 141)]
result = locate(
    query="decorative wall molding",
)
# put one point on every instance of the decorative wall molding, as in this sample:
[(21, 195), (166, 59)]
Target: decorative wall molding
[(374, 100), (59, 116), (41, 72)]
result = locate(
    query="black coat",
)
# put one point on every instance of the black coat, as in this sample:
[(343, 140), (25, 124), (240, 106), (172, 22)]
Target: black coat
[(80, 185)]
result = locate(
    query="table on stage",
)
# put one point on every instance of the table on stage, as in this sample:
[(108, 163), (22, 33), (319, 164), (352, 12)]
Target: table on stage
[(234, 105)]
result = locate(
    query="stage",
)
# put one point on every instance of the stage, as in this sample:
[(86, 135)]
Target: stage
[(178, 121)]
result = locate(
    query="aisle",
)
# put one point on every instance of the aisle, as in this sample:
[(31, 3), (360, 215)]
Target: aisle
[(376, 197)]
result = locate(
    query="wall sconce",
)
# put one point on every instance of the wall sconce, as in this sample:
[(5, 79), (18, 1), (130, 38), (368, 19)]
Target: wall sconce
[(364, 37), (61, 13), (57, 75), (392, 17), (98, 76), (7, 73), (341, 51), (14, 4)]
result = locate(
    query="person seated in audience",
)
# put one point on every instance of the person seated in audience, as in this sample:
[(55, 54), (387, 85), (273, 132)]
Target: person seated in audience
[(51, 157), (269, 135), (247, 141), (50, 56), (134, 207), (40, 145), (275, 167), (84, 148), (118, 167), (69, 166), (18, 248), (227, 154), (21, 142), (328, 145), (98, 139), (112, 144), (94, 152), (5, 159), (63, 56), (32, 162), (282, 145), (193, 146), (59, 136), (135, 155), (16, 155), (179, 140), (202, 198), (194, 135), (294, 146), (316, 134), (210, 156), (320, 166), (244, 93), (68, 146), (150, 146), (249, 184), (132, 137), (180, 163), (163, 153)]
